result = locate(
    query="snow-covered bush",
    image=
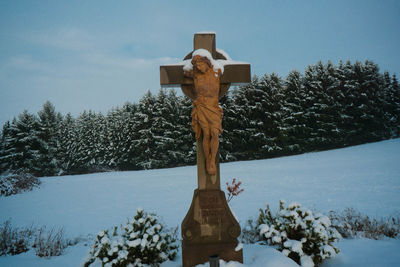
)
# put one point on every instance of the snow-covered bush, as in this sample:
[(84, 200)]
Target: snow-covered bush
[(351, 223), (305, 237), (11, 183), (250, 233), (143, 240)]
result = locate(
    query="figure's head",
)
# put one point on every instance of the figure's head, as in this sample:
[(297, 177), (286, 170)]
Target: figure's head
[(201, 63)]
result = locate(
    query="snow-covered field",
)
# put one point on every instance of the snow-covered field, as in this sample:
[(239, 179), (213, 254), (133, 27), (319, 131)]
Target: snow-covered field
[(365, 177)]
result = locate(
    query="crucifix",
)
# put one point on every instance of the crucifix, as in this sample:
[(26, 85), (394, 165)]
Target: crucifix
[(205, 75)]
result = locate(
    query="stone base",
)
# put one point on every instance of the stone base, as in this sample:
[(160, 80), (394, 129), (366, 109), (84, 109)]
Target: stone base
[(209, 229), (195, 254)]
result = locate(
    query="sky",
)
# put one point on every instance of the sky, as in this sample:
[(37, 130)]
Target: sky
[(96, 55)]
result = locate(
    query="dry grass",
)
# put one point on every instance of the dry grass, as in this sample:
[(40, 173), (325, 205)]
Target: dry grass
[(49, 243), (351, 223), (45, 243), (14, 240)]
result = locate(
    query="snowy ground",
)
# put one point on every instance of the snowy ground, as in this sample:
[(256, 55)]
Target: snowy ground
[(365, 177)]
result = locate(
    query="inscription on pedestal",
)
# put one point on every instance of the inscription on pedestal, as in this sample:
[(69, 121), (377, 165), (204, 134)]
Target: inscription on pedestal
[(209, 228), (209, 200), (211, 214)]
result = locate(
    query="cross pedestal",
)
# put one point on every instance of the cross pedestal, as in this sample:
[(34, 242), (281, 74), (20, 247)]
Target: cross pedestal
[(209, 228)]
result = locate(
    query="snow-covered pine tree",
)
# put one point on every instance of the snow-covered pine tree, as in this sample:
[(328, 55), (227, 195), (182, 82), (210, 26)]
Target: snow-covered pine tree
[(257, 98), (22, 145), (293, 127), (82, 143), (349, 124), (322, 108), (185, 143), (395, 103), (342, 120), (312, 105), (272, 85), (143, 140), (3, 155), (126, 160), (256, 133), (227, 145), (243, 131), (391, 100), (100, 130), (89, 142), (375, 123), (163, 128), (115, 151), (180, 133), (363, 118), (67, 145), (49, 123)]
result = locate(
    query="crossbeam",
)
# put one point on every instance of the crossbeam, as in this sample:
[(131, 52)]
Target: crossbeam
[(172, 75), (234, 73)]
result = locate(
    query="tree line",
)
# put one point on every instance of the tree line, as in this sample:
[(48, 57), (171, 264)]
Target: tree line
[(328, 106)]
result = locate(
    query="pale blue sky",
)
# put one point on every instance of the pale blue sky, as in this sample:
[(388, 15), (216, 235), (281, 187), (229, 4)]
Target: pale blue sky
[(99, 54)]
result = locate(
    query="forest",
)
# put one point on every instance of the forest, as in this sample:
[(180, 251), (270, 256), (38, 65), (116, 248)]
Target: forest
[(328, 106)]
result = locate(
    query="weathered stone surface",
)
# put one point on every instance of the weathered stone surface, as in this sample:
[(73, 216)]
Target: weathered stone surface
[(205, 180), (209, 228), (172, 75)]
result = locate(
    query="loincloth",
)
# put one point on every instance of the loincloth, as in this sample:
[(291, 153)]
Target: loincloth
[(206, 117)]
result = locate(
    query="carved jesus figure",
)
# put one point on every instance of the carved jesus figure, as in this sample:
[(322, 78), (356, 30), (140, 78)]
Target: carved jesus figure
[(206, 113)]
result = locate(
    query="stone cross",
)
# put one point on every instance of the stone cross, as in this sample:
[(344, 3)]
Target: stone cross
[(209, 228), (235, 73)]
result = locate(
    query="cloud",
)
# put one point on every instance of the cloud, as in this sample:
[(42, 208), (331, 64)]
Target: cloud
[(87, 49), (27, 63), (64, 38), (76, 71)]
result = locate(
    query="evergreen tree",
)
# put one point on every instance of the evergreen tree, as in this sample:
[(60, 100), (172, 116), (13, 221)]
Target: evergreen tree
[(22, 145), (258, 109), (89, 142), (392, 106), (129, 152), (186, 142), (321, 108), (293, 125), (119, 147), (270, 120), (376, 127), (227, 138), (243, 127), (5, 135), (115, 153), (165, 130), (143, 140), (349, 119), (49, 123), (67, 145), (395, 104)]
